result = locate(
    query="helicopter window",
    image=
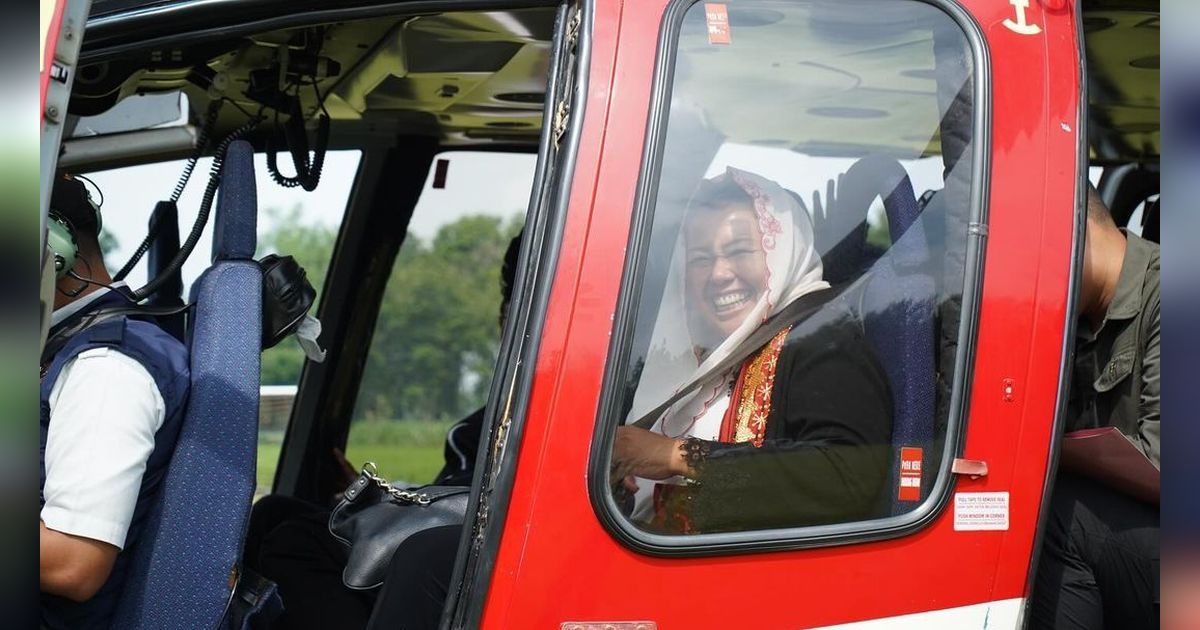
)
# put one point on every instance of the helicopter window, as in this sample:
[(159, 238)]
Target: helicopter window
[(789, 357), (437, 333)]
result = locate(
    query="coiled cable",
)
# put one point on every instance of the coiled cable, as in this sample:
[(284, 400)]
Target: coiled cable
[(210, 120), (210, 192), (308, 168)]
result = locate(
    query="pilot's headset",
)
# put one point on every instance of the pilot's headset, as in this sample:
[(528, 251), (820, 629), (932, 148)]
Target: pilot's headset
[(72, 210)]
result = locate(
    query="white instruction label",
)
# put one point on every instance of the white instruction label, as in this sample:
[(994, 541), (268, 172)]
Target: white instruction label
[(980, 511)]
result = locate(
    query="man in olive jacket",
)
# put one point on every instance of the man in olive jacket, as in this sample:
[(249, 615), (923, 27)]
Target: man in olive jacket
[(1099, 562)]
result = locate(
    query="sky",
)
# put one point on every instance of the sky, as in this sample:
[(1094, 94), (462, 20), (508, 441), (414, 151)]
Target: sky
[(476, 183)]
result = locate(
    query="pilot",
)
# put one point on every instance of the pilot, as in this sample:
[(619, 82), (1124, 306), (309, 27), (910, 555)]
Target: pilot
[(113, 389), (1099, 562)]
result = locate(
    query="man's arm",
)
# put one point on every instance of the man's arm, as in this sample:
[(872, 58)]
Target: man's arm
[(72, 566), (104, 412)]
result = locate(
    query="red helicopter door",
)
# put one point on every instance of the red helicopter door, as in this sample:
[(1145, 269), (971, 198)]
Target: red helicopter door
[(921, 158)]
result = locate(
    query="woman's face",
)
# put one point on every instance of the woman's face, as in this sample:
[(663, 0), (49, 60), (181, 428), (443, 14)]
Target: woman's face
[(726, 269)]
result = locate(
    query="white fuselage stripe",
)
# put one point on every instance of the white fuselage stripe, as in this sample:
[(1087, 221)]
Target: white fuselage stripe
[(1004, 614)]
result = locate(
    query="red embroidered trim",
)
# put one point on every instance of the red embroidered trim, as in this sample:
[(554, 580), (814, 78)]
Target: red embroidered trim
[(750, 405)]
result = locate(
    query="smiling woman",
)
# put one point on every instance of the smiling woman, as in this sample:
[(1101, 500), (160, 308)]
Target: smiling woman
[(735, 437), (726, 263)]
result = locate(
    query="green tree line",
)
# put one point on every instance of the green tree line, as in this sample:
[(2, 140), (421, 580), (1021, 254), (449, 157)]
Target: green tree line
[(437, 333)]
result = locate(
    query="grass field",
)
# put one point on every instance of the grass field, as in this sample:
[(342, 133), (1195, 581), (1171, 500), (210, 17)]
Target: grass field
[(409, 451)]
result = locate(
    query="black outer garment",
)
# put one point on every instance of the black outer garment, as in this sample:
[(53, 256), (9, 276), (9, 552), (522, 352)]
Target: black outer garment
[(462, 443), (1100, 561), (826, 450)]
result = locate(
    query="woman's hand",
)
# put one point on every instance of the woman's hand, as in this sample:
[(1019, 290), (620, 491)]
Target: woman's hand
[(641, 453)]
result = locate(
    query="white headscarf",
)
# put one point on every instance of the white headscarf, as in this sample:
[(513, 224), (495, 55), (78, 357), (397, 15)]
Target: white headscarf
[(794, 269)]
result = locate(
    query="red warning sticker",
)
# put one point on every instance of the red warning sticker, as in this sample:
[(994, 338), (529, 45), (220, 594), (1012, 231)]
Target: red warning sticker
[(717, 17), (910, 473)]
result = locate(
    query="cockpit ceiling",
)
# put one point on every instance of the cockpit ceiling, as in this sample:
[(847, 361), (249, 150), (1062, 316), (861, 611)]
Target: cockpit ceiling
[(478, 74), (1123, 84), (470, 77), (465, 77)]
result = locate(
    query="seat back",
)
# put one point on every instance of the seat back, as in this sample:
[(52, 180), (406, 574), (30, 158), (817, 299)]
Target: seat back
[(186, 561), (1151, 225), (898, 305)]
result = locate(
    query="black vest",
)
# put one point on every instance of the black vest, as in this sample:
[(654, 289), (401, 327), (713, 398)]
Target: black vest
[(166, 360)]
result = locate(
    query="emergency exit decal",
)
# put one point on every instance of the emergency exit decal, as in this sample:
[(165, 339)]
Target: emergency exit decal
[(910, 473), (717, 17)]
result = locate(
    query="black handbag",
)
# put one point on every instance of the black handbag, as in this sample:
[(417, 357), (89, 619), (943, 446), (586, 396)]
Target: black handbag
[(374, 517)]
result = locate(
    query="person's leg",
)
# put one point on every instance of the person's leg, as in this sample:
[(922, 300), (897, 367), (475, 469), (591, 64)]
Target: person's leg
[(1124, 556), (267, 514), (1099, 563), (303, 558), (417, 582), (1065, 594)]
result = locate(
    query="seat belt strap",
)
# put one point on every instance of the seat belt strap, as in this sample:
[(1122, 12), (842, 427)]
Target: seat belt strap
[(799, 309)]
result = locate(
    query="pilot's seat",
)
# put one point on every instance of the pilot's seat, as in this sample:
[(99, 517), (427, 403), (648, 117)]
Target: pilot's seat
[(186, 566)]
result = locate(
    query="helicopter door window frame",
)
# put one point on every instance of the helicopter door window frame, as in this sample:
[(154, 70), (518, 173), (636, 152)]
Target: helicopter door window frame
[(616, 374)]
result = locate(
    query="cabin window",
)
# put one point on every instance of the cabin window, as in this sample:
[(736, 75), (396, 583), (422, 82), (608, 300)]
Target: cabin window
[(791, 341), (436, 336), (290, 221)]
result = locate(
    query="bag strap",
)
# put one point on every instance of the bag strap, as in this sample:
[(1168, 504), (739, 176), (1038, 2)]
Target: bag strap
[(422, 496), (799, 309)]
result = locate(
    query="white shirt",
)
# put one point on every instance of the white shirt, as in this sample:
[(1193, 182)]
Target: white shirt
[(104, 411)]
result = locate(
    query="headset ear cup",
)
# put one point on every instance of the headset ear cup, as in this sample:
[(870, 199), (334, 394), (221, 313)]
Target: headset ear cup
[(71, 201), (60, 241)]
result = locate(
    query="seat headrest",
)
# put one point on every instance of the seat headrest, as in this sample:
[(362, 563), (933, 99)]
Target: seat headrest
[(235, 232), (879, 176), (882, 176), (1151, 226)]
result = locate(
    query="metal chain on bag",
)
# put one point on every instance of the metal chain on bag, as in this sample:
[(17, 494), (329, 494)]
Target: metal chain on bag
[(399, 494)]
